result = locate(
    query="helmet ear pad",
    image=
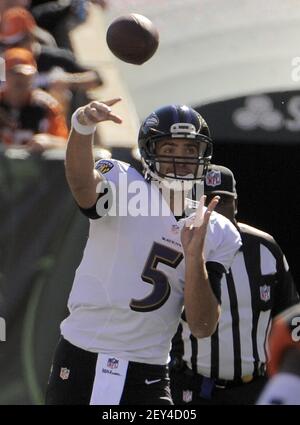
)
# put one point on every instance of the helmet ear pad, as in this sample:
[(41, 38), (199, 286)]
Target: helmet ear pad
[(174, 122)]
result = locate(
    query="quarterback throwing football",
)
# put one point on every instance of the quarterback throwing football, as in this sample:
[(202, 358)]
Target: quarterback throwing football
[(133, 280)]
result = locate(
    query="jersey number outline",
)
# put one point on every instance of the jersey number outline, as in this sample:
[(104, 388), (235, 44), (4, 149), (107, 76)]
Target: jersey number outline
[(161, 287), (296, 329)]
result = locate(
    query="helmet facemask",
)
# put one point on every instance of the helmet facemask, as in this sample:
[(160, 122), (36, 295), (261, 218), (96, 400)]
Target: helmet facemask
[(177, 165), (168, 124)]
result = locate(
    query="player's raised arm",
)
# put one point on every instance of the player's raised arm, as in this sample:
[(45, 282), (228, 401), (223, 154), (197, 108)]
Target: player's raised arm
[(80, 173), (202, 308)]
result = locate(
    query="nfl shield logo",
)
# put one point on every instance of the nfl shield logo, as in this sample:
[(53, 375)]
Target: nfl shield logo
[(64, 373), (265, 293), (187, 396), (112, 363), (213, 178)]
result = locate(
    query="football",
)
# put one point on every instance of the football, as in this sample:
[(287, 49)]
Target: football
[(132, 38)]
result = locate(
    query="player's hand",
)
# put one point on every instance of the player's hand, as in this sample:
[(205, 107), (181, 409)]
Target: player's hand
[(194, 231), (96, 112)]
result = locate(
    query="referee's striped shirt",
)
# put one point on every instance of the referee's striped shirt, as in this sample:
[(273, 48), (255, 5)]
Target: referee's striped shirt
[(257, 287)]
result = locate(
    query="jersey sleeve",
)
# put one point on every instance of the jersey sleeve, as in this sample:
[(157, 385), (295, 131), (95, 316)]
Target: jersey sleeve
[(115, 175), (222, 241), (112, 171)]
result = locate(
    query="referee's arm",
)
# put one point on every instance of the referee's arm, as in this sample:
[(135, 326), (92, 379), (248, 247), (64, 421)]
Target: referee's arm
[(286, 293)]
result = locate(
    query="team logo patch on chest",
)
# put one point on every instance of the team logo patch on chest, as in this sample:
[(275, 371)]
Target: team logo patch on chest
[(64, 373), (265, 292)]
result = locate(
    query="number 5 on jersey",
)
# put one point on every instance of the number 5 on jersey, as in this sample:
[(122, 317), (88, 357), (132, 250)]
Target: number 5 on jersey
[(161, 286)]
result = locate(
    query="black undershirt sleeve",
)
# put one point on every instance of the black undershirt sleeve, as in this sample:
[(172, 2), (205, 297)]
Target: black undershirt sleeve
[(215, 273), (92, 211)]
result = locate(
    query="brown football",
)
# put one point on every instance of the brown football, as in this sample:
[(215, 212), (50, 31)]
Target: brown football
[(132, 38)]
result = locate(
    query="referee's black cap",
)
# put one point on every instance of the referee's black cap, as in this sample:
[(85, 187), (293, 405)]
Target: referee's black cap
[(219, 180)]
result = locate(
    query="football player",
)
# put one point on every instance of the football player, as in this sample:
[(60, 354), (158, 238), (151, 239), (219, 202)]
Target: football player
[(128, 292)]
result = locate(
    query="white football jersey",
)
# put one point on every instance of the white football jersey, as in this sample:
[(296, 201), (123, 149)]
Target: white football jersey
[(127, 295)]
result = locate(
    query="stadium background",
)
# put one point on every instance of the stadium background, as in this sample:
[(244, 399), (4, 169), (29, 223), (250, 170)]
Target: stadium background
[(217, 59)]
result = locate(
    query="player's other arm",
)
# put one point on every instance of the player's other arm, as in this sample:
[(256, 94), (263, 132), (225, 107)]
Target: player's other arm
[(202, 309), (81, 176)]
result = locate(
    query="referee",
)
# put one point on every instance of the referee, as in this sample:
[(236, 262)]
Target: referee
[(228, 368)]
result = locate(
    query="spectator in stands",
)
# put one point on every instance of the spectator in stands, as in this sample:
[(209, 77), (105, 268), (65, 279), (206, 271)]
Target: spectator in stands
[(53, 15), (28, 117), (16, 32), (17, 22)]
